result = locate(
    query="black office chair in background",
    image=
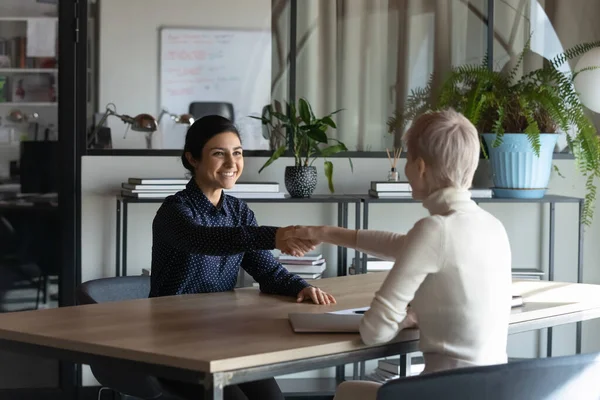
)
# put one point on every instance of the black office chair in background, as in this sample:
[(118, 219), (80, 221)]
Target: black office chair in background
[(201, 109), (127, 383), (556, 378)]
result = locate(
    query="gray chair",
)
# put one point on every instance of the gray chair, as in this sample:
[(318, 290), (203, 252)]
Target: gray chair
[(557, 378), (201, 109), (129, 384)]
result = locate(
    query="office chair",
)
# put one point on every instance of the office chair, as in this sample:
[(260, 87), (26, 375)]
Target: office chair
[(556, 378), (201, 109), (129, 384)]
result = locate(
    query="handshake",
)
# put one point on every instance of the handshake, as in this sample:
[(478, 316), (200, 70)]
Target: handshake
[(298, 240)]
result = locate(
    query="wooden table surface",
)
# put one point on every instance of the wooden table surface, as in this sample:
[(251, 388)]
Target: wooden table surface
[(225, 331)]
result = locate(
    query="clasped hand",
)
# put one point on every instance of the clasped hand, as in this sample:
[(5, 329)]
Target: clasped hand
[(295, 241)]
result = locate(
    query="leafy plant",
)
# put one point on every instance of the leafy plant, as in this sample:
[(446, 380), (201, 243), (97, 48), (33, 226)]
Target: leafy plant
[(541, 101), (304, 133)]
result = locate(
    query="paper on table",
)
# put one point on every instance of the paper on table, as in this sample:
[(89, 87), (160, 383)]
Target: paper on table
[(41, 37), (353, 311)]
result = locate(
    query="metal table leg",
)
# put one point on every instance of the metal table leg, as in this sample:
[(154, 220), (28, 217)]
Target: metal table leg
[(551, 237), (118, 247), (365, 225), (344, 249), (357, 254), (579, 271), (213, 389), (124, 260), (340, 257)]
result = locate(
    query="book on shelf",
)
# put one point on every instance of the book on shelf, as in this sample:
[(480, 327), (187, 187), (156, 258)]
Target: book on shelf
[(149, 188), (309, 277), (306, 268), (528, 273), (391, 366), (516, 301), (390, 195), (307, 257), (373, 265), (159, 188), (146, 195), (387, 186), (158, 181)]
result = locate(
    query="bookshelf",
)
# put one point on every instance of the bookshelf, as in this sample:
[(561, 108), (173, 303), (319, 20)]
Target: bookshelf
[(28, 72)]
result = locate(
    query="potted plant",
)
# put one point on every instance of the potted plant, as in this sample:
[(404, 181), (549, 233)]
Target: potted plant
[(518, 120), (306, 135)]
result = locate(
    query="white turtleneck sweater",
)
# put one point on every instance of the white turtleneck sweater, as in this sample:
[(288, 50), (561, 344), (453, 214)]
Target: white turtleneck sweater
[(454, 267)]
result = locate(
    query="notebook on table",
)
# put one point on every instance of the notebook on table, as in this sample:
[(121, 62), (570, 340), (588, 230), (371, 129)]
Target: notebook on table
[(343, 321)]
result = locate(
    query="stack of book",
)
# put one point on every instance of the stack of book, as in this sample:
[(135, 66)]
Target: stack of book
[(402, 190), (389, 369), (159, 188), (308, 267), (386, 189), (152, 188)]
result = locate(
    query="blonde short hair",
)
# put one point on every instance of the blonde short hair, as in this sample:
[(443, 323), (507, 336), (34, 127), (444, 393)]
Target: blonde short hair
[(449, 145)]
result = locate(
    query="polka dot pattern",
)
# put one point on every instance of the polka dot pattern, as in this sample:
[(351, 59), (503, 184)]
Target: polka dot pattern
[(198, 247)]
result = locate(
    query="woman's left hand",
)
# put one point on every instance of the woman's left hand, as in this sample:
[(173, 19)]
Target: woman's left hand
[(317, 295)]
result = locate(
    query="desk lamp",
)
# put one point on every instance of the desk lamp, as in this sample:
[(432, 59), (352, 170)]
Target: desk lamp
[(184, 119), (18, 116), (140, 123)]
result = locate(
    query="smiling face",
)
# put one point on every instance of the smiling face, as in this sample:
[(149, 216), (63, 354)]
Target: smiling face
[(221, 164)]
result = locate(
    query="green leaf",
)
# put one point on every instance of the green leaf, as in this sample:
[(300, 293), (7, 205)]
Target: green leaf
[(304, 111), (331, 150), (276, 154), (328, 121), (280, 116), (329, 174), (263, 120), (317, 134)]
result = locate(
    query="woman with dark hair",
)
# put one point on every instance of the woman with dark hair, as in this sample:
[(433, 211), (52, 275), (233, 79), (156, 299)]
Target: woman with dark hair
[(201, 237)]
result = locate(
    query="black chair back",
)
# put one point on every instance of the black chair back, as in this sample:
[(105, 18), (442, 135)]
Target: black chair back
[(122, 380), (557, 378), (201, 109), (114, 289)]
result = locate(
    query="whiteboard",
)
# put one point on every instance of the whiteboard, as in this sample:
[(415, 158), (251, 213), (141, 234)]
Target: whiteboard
[(228, 65)]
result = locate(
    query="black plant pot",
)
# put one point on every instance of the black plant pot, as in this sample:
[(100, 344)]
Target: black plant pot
[(300, 181)]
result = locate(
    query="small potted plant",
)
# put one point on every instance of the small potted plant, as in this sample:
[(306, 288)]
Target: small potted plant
[(518, 120), (306, 135)]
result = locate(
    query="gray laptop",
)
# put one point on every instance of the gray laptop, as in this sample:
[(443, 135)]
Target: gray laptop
[(332, 322)]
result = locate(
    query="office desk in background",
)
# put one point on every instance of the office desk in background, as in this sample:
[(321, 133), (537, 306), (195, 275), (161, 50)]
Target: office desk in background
[(221, 339)]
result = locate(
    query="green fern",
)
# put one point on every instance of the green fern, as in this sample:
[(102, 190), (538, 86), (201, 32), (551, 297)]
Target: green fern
[(541, 101)]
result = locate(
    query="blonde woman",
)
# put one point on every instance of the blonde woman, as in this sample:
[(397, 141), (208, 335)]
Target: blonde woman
[(453, 266)]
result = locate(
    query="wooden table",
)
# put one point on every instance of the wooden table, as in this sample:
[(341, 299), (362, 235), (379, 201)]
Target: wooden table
[(221, 339)]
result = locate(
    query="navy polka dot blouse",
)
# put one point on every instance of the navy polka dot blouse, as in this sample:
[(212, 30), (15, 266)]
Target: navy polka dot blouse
[(199, 248)]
